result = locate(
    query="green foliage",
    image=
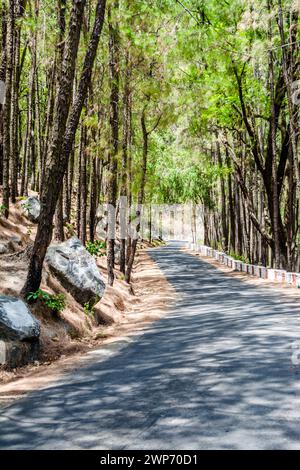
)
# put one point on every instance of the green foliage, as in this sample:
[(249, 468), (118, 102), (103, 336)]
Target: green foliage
[(26, 205), (88, 309), (97, 248), (239, 257), (185, 62), (56, 303), (2, 209)]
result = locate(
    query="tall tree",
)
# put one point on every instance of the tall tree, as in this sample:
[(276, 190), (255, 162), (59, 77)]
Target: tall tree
[(114, 59), (64, 132)]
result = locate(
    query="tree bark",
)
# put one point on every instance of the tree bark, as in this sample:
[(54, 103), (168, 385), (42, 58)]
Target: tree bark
[(55, 170), (64, 132), (126, 131), (7, 106), (114, 60)]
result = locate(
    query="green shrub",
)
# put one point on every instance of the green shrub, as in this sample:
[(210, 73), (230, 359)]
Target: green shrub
[(97, 248), (2, 209), (56, 303), (26, 206), (239, 257), (88, 310)]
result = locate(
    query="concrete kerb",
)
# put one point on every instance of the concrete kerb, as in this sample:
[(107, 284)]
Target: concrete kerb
[(262, 272)]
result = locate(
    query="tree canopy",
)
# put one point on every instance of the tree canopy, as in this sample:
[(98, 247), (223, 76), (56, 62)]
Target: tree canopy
[(161, 101)]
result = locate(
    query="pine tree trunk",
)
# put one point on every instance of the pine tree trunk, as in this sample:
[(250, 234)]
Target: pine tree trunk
[(141, 197), (55, 171), (7, 106), (275, 199), (93, 199), (2, 79), (83, 191), (114, 125), (223, 202), (14, 120), (61, 20), (63, 134), (126, 130)]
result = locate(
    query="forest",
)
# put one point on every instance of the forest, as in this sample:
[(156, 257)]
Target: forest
[(149, 228), (161, 101)]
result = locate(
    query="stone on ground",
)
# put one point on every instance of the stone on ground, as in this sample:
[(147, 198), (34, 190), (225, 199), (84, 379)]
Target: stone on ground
[(32, 208), (77, 271), (19, 333), (16, 320)]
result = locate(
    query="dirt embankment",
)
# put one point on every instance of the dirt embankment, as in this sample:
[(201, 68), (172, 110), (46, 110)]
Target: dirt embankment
[(67, 336)]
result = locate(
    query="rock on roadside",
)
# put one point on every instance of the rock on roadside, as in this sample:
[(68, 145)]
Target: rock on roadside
[(16, 320), (32, 208), (77, 271), (19, 333)]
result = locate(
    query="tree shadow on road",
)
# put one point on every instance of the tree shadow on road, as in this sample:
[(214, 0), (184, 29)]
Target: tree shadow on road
[(215, 373)]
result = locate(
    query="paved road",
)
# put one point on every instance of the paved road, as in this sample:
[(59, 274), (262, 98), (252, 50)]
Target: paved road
[(216, 373)]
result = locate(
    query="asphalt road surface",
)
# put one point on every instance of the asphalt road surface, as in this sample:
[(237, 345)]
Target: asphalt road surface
[(216, 373)]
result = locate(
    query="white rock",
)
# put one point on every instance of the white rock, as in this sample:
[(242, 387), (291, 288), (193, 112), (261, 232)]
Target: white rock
[(77, 271), (16, 320), (32, 208)]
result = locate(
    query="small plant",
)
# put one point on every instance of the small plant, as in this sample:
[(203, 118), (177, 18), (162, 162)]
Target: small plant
[(88, 310), (2, 209), (96, 248), (56, 303), (237, 257), (26, 206)]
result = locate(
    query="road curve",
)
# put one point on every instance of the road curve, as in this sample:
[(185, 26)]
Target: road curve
[(216, 373)]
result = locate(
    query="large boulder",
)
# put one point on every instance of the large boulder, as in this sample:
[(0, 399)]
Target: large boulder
[(16, 320), (77, 271), (32, 208)]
